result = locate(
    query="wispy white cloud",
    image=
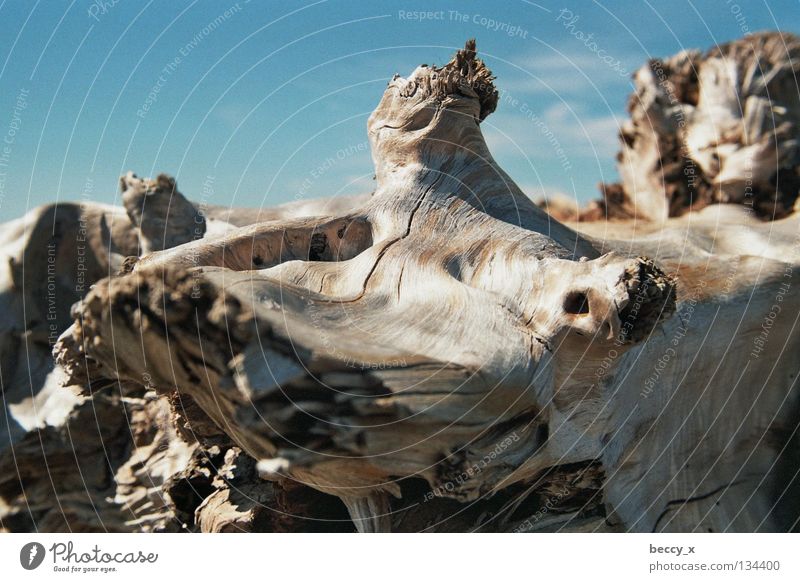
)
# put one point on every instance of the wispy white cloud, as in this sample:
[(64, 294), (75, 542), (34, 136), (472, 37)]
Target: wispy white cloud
[(558, 132), (567, 74)]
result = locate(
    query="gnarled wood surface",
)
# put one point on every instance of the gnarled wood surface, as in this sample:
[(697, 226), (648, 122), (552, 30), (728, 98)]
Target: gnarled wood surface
[(443, 355), (708, 128)]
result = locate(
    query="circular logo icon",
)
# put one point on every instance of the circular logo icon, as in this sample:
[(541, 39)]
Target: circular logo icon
[(31, 555)]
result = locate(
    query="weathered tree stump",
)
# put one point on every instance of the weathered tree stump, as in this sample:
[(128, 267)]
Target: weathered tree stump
[(444, 356), (709, 128)]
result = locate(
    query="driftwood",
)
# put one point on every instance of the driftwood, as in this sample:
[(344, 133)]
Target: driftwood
[(443, 355), (709, 128), (105, 457)]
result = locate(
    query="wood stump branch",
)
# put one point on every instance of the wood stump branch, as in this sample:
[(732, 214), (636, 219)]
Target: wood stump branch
[(162, 216), (53, 461), (710, 128), (408, 339), (442, 355)]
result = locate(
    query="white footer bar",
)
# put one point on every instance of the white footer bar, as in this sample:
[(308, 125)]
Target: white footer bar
[(389, 557)]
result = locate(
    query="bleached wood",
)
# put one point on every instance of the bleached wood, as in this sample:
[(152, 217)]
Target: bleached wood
[(444, 356), (431, 328), (714, 127)]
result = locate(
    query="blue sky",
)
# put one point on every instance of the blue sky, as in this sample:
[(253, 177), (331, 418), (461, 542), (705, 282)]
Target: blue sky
[(267, 102)]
